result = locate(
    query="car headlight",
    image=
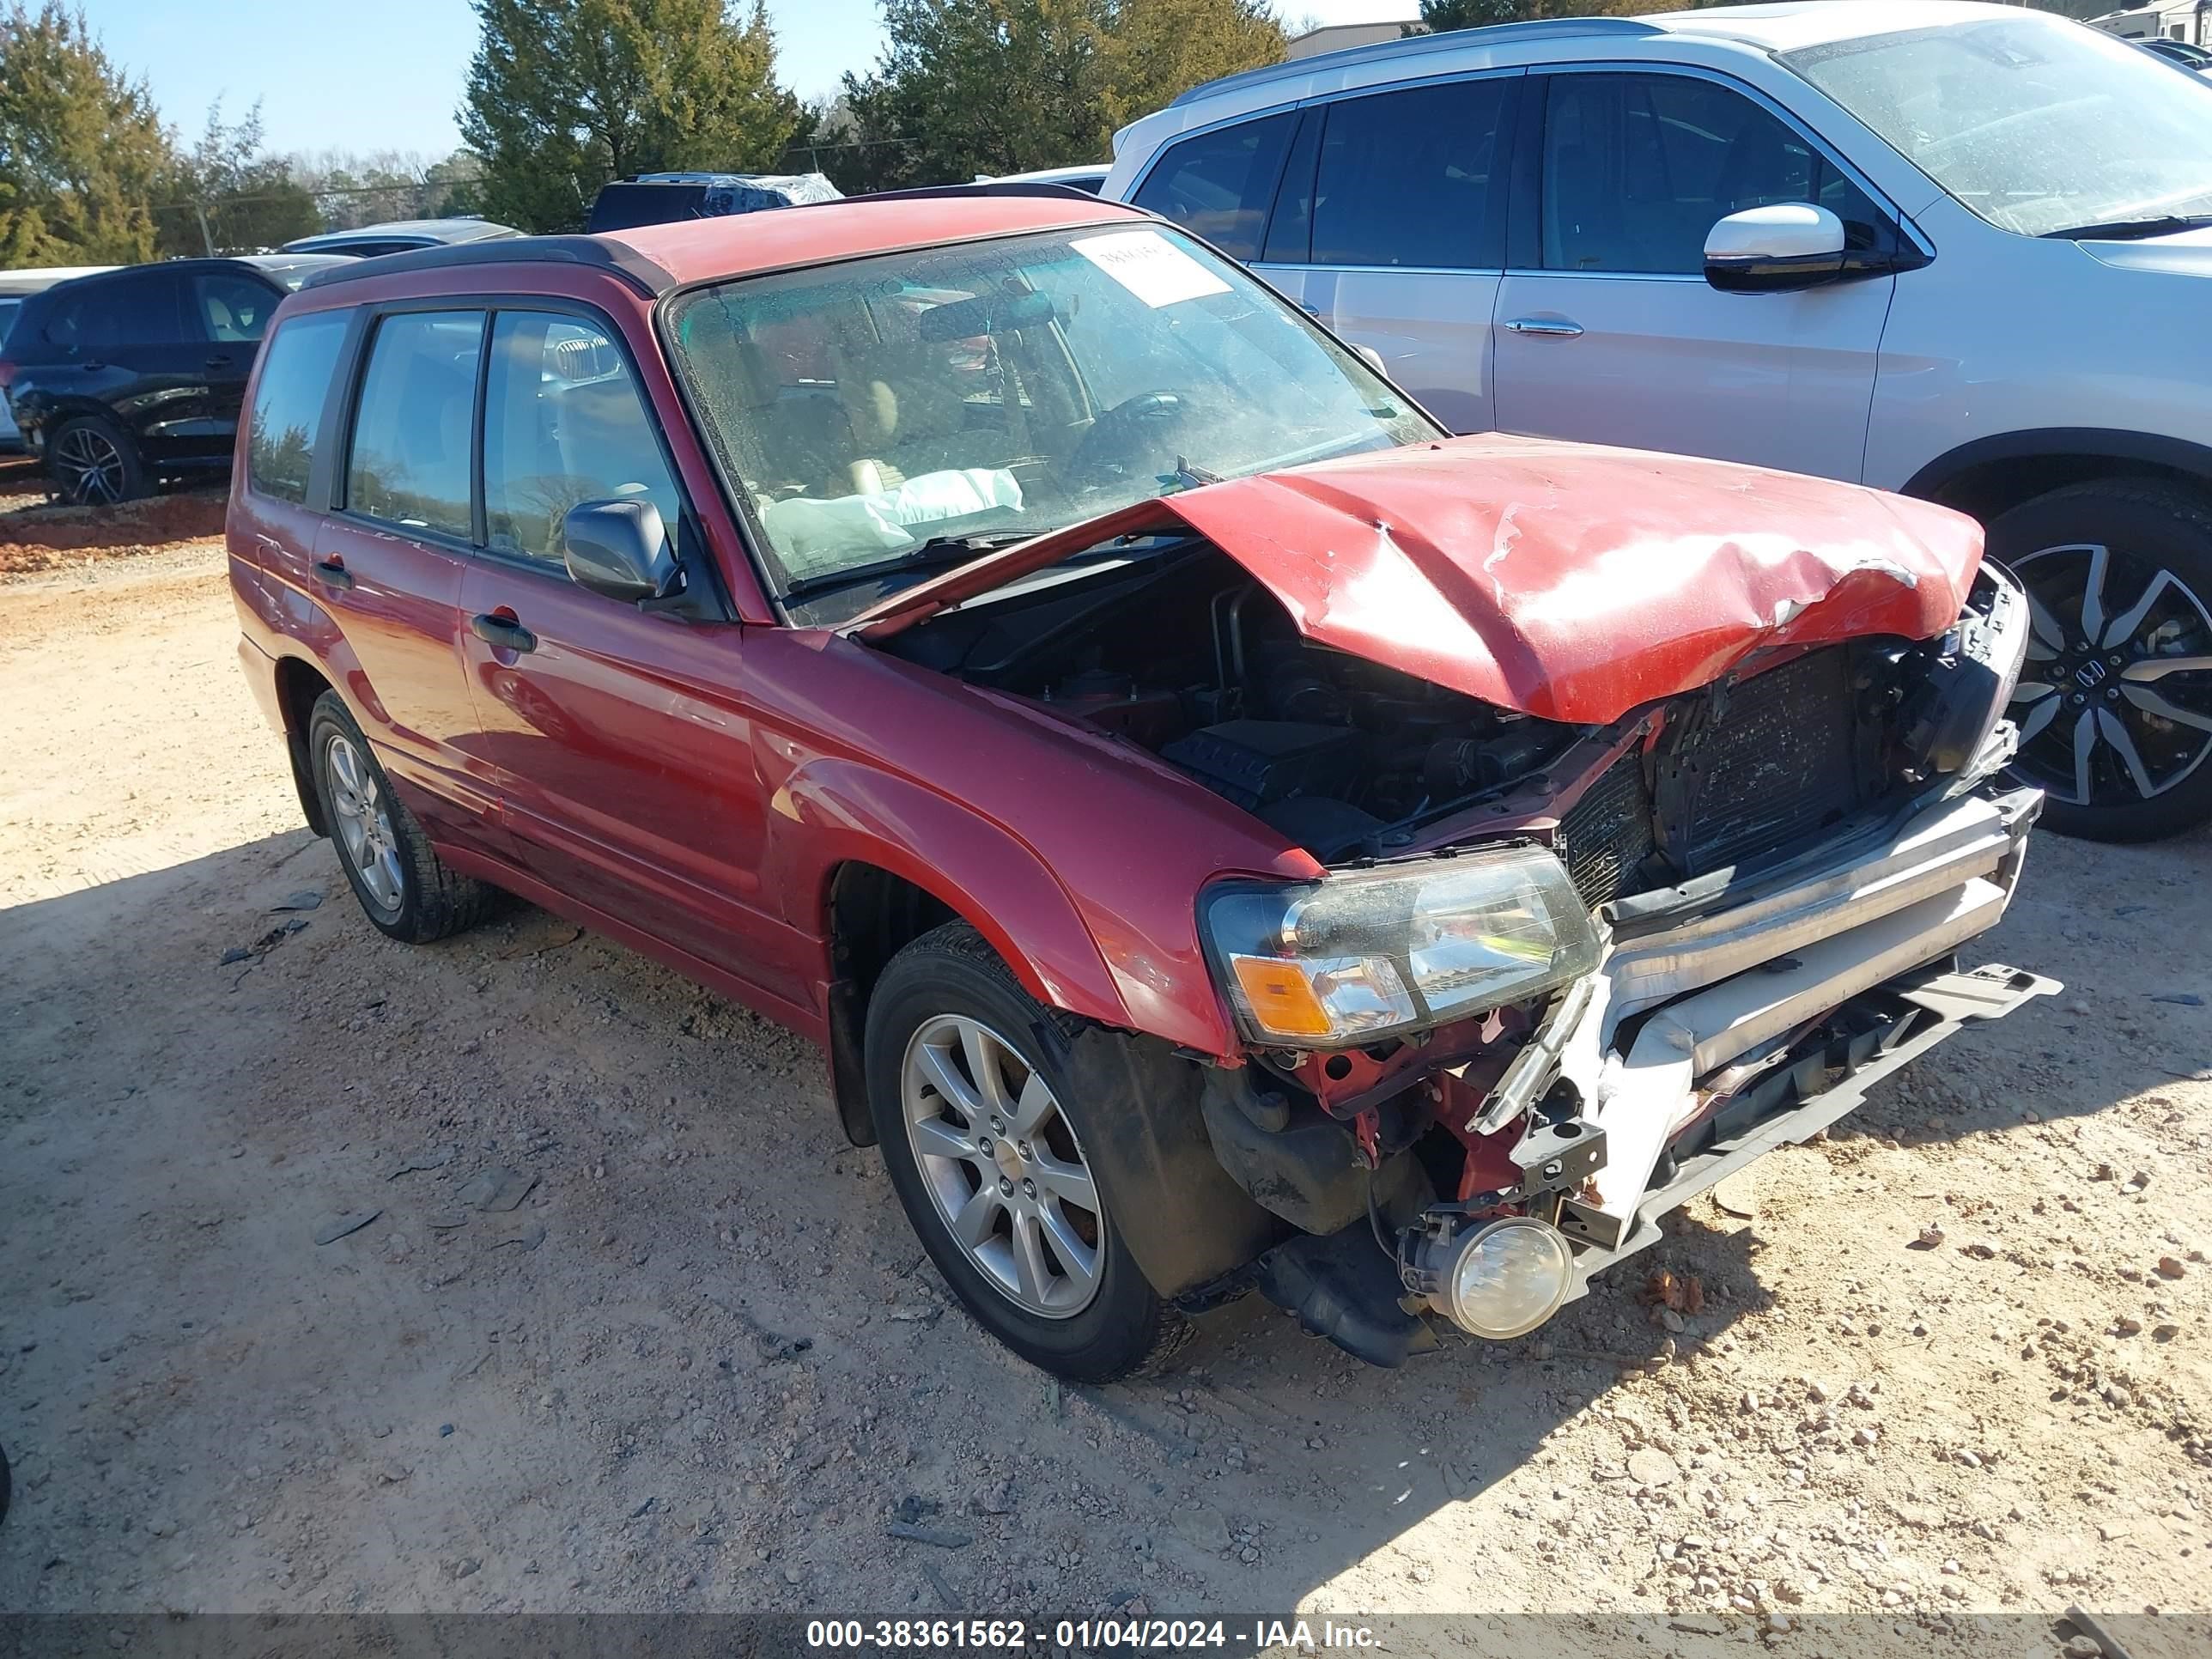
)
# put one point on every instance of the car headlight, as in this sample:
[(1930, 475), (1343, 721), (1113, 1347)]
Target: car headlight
[(1359, 956)]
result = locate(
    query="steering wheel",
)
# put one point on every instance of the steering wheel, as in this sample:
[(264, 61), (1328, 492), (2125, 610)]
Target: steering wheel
[(1128, 436)]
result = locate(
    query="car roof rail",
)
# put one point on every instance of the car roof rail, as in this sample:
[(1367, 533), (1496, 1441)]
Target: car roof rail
[(1417, 46), (599, 253), (981, 187)]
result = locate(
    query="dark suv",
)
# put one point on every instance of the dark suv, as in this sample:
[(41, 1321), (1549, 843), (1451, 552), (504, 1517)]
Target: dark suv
[(133, 375)]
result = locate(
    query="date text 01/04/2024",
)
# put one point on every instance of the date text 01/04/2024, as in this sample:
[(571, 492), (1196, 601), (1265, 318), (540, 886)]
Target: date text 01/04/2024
[(1085, 1635)]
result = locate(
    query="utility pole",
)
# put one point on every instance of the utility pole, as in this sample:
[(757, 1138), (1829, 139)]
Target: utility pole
[(207, 241)]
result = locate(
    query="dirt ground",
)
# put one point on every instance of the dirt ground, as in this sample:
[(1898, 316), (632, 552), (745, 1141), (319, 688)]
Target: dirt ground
[(702, 1363)]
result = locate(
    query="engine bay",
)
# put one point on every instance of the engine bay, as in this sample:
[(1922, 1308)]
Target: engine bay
[(1191, 659)]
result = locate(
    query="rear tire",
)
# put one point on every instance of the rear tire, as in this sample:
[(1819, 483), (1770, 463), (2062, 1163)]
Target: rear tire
[(2112, 727), (949, 994), (405, 888), (94, 463)]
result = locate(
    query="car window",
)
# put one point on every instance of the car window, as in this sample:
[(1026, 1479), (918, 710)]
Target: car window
[(1220, 185), (287, 403), (409, 461), (563, 423), (8, 308), (231, 307), (136, 310), (1405, 178), (1637, 169)]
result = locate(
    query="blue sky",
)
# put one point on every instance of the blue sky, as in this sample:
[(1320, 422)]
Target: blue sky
[(369, 74)]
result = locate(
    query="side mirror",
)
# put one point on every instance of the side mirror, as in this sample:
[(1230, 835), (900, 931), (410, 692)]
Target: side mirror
[(1373, 359), (618, 548), (1769, 250)]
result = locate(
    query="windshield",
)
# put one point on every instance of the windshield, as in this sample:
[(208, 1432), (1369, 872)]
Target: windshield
[(2038, 125), (912, 406)]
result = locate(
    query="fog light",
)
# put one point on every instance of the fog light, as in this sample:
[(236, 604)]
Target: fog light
[(1507, 1278)]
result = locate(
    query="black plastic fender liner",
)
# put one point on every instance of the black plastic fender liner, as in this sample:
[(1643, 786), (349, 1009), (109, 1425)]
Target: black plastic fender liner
[(1344, 1288), (1185, 1221), (1307, 1170)]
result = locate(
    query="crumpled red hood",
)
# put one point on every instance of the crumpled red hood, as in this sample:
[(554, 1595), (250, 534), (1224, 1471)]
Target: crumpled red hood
[(1565, 580)]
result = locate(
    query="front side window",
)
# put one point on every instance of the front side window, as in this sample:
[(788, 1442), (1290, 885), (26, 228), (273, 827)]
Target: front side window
[(2041, 126), (563, 424), (1638, 169), (230, 307), (1221, 183), (1407, 178), (1007, 387), (409, 462), (287, 403)]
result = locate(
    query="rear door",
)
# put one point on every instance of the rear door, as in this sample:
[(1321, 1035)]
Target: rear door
[(621, 737), (388, 559), (1389, 225), (122, 343), (1607, 329)]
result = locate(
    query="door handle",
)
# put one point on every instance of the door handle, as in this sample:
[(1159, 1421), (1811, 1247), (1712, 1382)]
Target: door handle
[(221, 360), (332, 572), (503, 631), (1556, 327)]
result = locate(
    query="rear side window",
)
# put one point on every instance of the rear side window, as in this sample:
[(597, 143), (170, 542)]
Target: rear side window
[(1413, 178), (1219, 185), (563, 423), (1638, 169), (231, 307), (287, 403), (136, 310), (413, 425)]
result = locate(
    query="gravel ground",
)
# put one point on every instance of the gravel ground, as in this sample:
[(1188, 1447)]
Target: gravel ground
[(1953, 1361)]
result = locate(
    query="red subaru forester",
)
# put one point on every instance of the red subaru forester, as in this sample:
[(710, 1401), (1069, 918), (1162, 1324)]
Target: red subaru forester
[(1226, 833)]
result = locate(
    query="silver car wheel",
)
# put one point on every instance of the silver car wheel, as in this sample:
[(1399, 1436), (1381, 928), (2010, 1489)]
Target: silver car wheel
[(1003, 1166), (364, 823), (88, 466)]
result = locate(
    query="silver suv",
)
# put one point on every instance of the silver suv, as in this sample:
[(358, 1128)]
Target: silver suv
[(1952, 250)]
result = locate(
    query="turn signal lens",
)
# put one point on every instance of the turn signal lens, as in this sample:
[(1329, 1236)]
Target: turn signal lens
[(1279, 997)]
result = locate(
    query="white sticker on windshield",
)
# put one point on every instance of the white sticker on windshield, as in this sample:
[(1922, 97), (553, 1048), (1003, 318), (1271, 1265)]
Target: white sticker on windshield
[(1150, 266)]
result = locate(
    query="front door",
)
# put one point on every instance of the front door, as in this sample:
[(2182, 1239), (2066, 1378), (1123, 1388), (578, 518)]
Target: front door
[(1607, 330), (228, 312), (621, 738)]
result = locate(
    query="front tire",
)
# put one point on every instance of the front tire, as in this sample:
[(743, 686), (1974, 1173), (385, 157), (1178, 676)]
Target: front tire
[(2115, 703), (405, 888), (983, 1138)]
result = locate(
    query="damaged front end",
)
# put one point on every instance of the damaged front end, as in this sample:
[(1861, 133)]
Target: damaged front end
[(1705, 932), (1644, 832)]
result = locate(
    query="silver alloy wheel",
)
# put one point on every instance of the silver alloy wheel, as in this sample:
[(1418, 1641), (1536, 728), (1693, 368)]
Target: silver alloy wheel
[(364, 824), (88, 466), (2136, 682), (1003, 1166)]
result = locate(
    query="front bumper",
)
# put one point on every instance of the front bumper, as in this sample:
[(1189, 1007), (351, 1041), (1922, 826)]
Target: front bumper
[(1821, 1092), (1688, 996), (1717, 1027)]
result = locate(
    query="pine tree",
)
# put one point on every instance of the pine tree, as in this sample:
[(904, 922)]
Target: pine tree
[(565, 94), (81, 147)]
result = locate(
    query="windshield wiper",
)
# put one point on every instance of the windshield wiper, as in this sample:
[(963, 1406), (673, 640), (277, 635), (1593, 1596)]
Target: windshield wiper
[(2130, 230), (938, 553)]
